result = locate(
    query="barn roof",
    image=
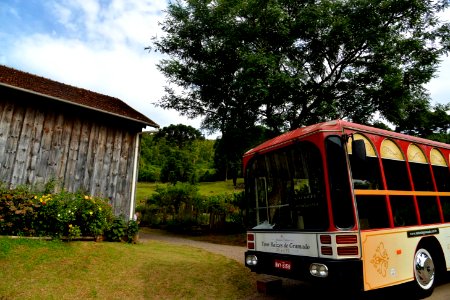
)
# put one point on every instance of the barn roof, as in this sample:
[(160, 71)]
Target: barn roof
[(59, 91)]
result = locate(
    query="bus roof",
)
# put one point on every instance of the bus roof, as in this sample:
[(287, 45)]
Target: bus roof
[(337, 126)]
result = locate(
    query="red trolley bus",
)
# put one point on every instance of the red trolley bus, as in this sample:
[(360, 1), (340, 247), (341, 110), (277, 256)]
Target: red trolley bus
[(341, 202)]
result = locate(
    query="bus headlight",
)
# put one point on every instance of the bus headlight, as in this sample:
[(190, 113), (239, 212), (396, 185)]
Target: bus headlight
[(318, 270), (251, 260)]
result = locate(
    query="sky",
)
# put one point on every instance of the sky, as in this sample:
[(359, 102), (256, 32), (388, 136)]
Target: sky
[(99, 45)]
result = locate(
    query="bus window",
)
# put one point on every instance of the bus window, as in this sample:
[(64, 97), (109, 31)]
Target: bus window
[(442, 177), (422, 180), (288, 189), (372, 210), (429, 211), (261, 199), (366, 173), (397, 178), (341, 200), (396, 175)]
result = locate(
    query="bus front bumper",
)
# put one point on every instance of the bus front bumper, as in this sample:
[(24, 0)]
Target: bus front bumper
[(308, 269)]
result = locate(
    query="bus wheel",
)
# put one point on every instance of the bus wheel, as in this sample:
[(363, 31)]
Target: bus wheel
[(424, 273)]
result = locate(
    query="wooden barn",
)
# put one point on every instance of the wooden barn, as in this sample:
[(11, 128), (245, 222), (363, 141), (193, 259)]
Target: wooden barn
[(78, 139)]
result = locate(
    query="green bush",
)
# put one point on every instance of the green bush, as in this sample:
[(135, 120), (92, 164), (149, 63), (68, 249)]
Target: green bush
[(117, 230), (132, 230), (149, 173), (27, 213), (120, 230), (181, 208), (150, 214), (208, 175)]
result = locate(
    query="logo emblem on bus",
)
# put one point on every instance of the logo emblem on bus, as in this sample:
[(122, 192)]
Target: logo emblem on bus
[(380, 260)]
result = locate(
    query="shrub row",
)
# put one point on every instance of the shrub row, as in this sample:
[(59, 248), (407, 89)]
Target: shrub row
[(180, 208), (64, 214)]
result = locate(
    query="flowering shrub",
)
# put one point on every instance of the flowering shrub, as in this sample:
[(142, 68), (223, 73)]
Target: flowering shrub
[(25, 213), (18, 212), (74, 232)]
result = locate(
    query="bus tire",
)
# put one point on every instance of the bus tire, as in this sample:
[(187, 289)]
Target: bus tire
[(424, 272)]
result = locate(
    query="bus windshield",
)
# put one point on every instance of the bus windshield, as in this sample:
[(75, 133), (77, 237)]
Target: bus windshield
[(285, 189)]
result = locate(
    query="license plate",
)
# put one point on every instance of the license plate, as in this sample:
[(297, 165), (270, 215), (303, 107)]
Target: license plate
[(282, 264)]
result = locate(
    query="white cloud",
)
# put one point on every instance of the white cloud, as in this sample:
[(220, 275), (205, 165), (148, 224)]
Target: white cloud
[(439, 86), (102, 50), (63, 15)]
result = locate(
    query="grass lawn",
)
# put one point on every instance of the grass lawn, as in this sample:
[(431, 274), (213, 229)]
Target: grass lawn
[(37, 269)]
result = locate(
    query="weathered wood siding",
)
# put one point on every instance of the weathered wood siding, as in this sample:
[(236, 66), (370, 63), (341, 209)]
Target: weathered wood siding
[(43, 140)]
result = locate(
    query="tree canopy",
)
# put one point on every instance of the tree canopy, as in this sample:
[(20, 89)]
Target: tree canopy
[(282, 64), (179, 135), (287, 63), (427, 122), (176, 153)]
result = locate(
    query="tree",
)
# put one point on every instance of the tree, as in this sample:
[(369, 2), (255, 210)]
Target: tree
[(179, 164), (287, 63), (428, 122), (229, 148), (179, 135), (175, 153)]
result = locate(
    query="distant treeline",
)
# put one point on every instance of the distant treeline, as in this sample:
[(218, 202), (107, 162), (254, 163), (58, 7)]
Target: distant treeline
[(177, 153)]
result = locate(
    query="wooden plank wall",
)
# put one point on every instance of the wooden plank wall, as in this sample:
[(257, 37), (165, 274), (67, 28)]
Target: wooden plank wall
[(80, 150)]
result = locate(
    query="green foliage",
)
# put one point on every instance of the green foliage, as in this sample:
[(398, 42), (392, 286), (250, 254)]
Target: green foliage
[(27, 213), (171, 156), (177, 200), (208, 175), (428, 122), (284, 64), (181, 207), (150, 214), (132, 230), (179, 135), (117, 230), (288, 63), (149, 173), (74, 232), (178, 167), (121, 230)]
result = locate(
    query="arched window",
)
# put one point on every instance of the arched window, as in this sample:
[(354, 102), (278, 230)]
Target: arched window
[(423, 181), (366, 175), (397, 178), (442, 178), (420, 169)]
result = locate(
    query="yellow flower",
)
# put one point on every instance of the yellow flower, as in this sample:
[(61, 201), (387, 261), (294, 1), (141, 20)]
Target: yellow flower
[(90, 212), (86, 197)]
